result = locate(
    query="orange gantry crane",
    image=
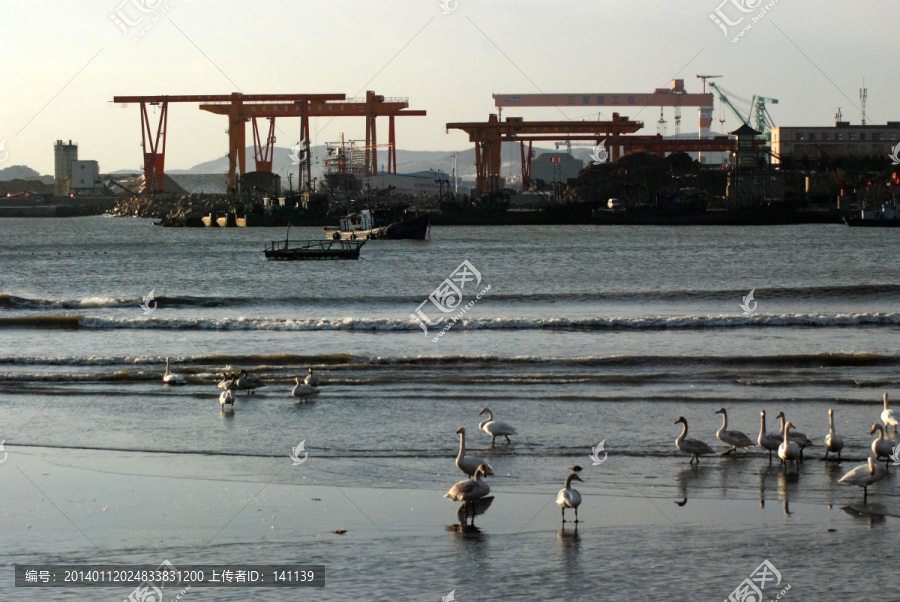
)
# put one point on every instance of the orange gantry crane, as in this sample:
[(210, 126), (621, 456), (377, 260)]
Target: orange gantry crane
[(371, 106), (241, 108), (488, 137), (154, 147), (673, 96)]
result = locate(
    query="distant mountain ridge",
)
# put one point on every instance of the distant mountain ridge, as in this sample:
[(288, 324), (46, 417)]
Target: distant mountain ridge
[(23, 172)]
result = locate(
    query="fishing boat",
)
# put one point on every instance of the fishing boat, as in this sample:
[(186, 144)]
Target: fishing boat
[(302, 250), (390, 223), (888, 217)]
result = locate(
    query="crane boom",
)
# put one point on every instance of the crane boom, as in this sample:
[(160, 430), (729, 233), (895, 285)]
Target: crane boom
[(728, 104)]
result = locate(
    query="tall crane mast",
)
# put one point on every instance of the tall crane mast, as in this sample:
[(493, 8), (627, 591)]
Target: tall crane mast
[(764, 121)]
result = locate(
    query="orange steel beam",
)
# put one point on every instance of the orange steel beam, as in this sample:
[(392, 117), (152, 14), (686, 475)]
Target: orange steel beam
[(228, 97), (526, 163), (154, 158), (262, 153), (662, 97), (314, 109), (488, 137)]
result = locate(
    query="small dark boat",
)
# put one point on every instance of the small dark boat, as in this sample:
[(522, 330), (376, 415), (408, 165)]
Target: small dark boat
[(313, 249), (888, 217)]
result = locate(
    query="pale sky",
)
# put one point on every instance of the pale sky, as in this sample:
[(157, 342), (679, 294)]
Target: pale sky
[(62, 63)]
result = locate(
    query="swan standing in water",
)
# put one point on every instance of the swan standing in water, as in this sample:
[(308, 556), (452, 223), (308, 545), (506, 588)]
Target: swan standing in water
[(569, 497), (226, 397), (173, 379), (789, 451), (695, 447), (881, 447), (470, 490), (303, 390), (469, 465), (799, 438), (864, 475), (228, 382), (735, 439), (311, 379), (495, 428), (249, 382), (888, 416), (833, 442), (765, 440)]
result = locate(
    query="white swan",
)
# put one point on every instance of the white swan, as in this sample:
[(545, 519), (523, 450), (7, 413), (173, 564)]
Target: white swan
[(833, 442), (881, 447), (797, 437), (495, 428), (888, 416), (864, 475), (303, 390), (226, 397), (227, 382), (311, 379), (173, 379), (569, 497), (695, 447), (470, 490), (735, 439), (249, 382), (789, 451), (767, 441), (469, 464)]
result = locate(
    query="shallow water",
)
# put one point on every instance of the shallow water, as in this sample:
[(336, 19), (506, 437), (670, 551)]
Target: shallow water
[(586, 335)]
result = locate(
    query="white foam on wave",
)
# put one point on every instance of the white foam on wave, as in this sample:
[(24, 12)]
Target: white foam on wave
[(557, 323)]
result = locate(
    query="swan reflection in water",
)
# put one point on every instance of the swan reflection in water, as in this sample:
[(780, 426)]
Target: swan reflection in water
[(465, 526), (692, 478), (787, 482), (874, 513), (468, 511)]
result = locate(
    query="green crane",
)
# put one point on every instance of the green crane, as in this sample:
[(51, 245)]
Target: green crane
[(764, 122), (728, 104)]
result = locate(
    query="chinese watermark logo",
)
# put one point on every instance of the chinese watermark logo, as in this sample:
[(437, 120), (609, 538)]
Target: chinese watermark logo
[(298, 154), (449, 597), (600, 154), (750, 589), (5, 453), (4, 154), (448, 6), (149, 591), (448, 297), (746, 305), (295, 454), (595, 454), (743, 8), (131, 15), (894, 155), (895, 454), (145, 305)]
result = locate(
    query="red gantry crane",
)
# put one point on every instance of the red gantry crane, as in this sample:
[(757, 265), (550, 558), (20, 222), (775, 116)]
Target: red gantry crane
[(241, 108), (488, 137), (674, 96), (371, 106)]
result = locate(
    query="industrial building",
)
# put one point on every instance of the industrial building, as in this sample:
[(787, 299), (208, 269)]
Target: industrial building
[(422, 184), (85, 176), (841, 140), (63, 157)]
